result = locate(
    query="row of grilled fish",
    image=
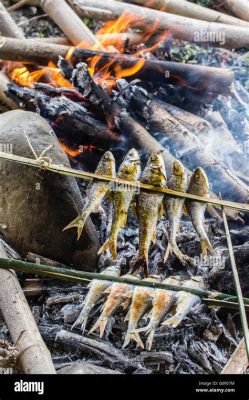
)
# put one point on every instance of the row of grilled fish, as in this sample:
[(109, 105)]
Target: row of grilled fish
[(158, 302), (149, 205)]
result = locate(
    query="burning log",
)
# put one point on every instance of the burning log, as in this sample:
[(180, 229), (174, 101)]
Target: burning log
[(186, 146), (33, 357), (238, 363), (200, 77), (3, 90), (191, 10), (8, 355), (189, 29), (237, 7), (190, 121), (8, 26), (36, 225)]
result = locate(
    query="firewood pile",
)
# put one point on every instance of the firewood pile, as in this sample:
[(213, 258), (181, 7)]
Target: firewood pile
[(124, 148)]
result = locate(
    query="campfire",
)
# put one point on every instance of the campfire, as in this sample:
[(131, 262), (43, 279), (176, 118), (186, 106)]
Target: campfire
[(130, 135)]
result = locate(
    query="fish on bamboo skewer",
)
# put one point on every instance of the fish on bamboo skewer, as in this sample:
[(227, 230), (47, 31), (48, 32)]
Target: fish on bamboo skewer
[(149, 209), (174, 211), (129, 170), (141, 301), (163, 302), (120, 294), (96, 292), (96, 191), (199, 185), (185, 301)]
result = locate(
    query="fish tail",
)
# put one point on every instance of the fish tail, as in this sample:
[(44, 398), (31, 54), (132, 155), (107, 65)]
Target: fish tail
[(151, 334), (78, 223), (101, 325), (173, 321), (141, 261), (206, 246), (133, 336), (167, 252), (82, 321), (111, 244)]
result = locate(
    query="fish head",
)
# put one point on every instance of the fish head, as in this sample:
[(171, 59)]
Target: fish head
[(199, 182), (106, 165), (177, 168), (155, 172), (198, 281), (131, 165)]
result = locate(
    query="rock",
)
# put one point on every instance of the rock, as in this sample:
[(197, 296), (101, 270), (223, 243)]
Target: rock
[(84, 368), (36, 205)]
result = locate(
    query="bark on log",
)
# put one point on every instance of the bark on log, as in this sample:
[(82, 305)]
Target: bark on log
[(200, 77), (189, 29), (186, 146), (34, 357), (8, 26), (191, 10), (238, 7)]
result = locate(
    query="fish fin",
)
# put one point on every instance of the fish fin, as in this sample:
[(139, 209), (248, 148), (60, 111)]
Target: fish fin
[(78, 223), (107, 290), (133, 205), (149, 341), (110, 196), (101, 325), (185, 210), (125, 304), (142, 261), (153, 239), (206, 246), (160, 211), (127, 317), (167, 252), (133, 336), (82, 321), (110, 244), (143, 329), (127, 295), (172, 321)]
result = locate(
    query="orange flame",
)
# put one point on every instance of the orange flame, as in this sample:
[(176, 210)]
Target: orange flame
[(107, 73)]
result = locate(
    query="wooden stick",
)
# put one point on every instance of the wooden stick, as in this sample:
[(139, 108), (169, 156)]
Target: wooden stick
[(34, 357), (189, 29), (237, 7), (243, 316), (238, 363), (191, 10), (79, 276), (199, 77), (8, 26)]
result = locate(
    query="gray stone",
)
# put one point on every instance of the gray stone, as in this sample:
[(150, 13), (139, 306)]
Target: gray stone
[(35, 205)]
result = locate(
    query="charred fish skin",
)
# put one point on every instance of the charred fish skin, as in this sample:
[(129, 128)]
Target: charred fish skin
[(149, 208), (119, 293), (96, 191), (163, 302), (129, 170), (174, 210), (185, 301), (141, 301), (96, 292), (199, 186)]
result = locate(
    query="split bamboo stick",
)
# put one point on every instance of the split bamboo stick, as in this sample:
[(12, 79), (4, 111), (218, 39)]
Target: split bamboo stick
[(81, 276), (8, 26), (48, 165)]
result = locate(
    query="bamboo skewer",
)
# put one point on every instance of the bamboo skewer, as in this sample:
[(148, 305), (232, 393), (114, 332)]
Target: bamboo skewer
[(82, 276), (237, 285), (45, 163)]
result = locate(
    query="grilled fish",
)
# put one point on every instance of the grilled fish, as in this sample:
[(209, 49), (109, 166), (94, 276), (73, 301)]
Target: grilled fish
[(120, 294), (199, 186), (96, 191), (163, 302), (96, 292), (141, 301), (185, 301), (174, 210), (129, 170), (149, 208)]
